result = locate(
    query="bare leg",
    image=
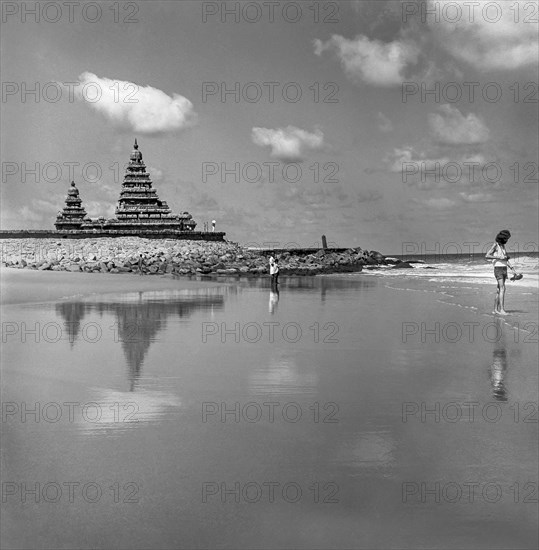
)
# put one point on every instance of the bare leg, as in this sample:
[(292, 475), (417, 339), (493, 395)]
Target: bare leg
[(501, 299), (497, 299)]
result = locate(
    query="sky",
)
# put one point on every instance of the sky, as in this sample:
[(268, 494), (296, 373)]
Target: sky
[(394, 126)]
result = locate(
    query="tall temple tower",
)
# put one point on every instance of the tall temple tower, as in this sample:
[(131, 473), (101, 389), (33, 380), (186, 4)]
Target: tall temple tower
[(73, 214), (139, 205)]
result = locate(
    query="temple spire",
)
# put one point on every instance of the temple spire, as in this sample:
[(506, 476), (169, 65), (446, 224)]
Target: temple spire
[(73, 214), (139, 203)]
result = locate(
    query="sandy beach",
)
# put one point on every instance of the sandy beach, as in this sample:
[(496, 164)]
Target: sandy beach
[(371, 420), (18, 286)]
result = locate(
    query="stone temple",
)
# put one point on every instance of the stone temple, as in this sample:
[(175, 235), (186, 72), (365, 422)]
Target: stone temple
[(73, 215), (139, 212)]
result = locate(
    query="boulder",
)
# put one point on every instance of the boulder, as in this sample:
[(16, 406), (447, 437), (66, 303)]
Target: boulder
[(377, 256)]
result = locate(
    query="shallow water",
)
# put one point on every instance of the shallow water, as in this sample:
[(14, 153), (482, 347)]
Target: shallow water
[(326, 416)]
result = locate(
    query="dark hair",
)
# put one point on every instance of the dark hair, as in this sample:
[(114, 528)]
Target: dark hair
[(503, 236)]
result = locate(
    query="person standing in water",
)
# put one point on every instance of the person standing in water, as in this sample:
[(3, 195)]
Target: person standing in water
[(140, 264), (500, 258), (272, 271)]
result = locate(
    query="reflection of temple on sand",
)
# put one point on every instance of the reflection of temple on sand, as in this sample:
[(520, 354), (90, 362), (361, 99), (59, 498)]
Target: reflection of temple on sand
[(498, 368), (72, 313), (140, 317)]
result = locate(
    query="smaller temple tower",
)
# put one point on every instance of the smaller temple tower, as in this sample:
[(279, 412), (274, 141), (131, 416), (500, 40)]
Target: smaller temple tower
[(73, 214)]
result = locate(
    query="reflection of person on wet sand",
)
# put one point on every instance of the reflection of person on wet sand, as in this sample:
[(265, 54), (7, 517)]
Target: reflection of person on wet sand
[(498, 368), (273, 300)]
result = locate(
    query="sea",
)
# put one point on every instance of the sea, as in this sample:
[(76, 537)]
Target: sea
[(381, 409)]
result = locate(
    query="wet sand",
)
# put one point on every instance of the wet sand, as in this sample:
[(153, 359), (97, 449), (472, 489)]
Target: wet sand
[(386, 474), (18, 286)]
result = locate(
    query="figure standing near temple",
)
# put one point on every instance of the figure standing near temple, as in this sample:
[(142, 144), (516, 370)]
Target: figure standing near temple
[(274, 272), (140, 265), (213, 225)]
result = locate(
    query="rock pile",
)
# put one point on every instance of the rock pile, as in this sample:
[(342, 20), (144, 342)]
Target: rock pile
[(121, 255)]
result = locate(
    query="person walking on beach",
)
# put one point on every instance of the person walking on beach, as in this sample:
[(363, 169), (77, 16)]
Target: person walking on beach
[(274, 272), (500, 258), (140, 264), (276, 269)]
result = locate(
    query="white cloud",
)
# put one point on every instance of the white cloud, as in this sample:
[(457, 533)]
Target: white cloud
[(143, 109), (96, 209), (452, 127), (372, 61), (476, 197), (438, 203), (28, 215), (288, 144), (502, 36), (427, 169), (401, 160), (155, 173), (384, 124)]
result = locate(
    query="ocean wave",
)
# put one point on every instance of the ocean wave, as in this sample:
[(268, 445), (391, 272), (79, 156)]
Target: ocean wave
[(447, 273)]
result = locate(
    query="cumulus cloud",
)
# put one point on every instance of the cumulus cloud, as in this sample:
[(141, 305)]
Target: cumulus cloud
[(288, 144), (372, 61), (402, 160), (96, 209), (384, 124), (476, 197), (502, 36), (143, 109), (438, 203), (431, 169), (450, 126), (28, 215), (155, 173)]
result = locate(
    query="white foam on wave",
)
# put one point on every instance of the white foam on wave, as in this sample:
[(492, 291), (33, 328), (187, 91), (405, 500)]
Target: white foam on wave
[(461, 273)]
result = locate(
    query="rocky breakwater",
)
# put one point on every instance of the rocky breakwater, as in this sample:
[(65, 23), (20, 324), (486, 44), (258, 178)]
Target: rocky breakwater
[(121, 255)]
